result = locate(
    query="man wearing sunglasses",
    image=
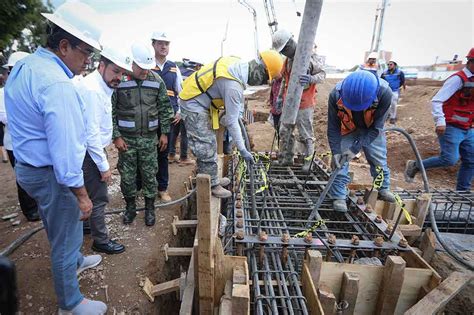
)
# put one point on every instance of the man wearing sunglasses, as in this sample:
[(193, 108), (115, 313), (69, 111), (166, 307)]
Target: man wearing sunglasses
[(46, 120), (396, 79)]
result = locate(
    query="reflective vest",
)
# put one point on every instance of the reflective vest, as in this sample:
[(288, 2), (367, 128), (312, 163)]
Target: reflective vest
[(308, 98), (169, 75), (200, 81), (136, 106), (459, 108), (347, 121)]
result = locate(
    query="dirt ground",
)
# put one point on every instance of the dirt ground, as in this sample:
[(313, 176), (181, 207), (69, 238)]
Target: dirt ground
[(123, 273)]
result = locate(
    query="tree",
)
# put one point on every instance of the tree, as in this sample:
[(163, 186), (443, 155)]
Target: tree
[(21, 25)]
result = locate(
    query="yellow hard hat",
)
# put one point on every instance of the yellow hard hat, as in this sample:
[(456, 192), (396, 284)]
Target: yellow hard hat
[(273, 62)]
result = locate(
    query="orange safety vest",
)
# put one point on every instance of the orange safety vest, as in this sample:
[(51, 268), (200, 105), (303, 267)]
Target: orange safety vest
[(347, 122), (459, 108), (308, 98)]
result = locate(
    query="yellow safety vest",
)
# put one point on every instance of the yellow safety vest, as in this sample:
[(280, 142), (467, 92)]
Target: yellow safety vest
[(200, 81)]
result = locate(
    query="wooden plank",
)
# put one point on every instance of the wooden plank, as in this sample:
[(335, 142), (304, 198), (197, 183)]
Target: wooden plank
[(439, 297), (314, 260), (389, 210), (239, 275), (327, 299), (205, 244), (422, 206), (349, 291), (415, 280), (428, 245), (410, 230), (226, 300), (240, 299), (309, 291), (187, 300), (392, 282)]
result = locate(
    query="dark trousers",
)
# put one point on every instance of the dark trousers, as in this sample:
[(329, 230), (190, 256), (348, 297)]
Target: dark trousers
[(27, 204), (97, 191), (162, 176), (175, 131)]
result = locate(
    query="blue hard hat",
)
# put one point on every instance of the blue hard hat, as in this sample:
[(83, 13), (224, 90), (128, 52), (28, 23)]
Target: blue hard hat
[(359, 90)]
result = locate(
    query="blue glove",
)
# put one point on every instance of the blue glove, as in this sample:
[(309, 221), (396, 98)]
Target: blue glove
[(247, 156), (305, 79)]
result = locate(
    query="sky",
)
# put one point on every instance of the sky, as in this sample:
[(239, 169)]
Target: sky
[(415, 31)]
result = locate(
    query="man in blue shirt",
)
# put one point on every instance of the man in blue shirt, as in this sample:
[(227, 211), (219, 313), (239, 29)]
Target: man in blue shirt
[(396, 79), (49, 140)]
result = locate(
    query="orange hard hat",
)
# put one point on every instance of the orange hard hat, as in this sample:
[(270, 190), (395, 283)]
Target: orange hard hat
[(470, 55)]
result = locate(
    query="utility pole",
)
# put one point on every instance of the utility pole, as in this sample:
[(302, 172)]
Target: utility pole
[(309, 24), (378, 43)]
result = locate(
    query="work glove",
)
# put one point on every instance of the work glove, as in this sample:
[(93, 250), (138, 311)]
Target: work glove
[(247, 156), (305, 79), (338, 160)]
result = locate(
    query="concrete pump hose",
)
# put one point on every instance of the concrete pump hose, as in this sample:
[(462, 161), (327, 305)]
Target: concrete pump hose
[(434, 225)]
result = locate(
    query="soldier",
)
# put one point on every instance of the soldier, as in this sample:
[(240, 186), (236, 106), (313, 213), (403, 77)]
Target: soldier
[(140, 106)]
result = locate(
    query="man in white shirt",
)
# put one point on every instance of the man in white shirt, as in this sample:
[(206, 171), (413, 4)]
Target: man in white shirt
[(96, 90)]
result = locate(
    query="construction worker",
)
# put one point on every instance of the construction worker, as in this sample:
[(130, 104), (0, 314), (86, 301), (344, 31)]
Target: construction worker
[(284, 42), (46, 123), (357, 108), (171, 75), (371, 64), (453, 113), (27, 204), (396, 80), (96, 90), (215, 87), (140, 106)]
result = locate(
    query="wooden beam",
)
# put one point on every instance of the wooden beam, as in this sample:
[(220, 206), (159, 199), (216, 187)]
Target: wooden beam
[(428, 245), (410, 230), (176, 251), (392, 283), (327, 299), (309, 291), (187, 300), (314, 260), (434, 301), (160, 289), (226, 300), (422, 207), (349, 291), (181, 224), (205, 244), (239, 275), (240, 299)]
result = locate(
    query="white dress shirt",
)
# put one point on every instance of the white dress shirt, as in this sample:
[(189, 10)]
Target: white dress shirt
[(450, 86), (98, 116)]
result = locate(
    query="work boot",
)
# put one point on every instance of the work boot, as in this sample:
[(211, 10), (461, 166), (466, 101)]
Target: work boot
[(307, 164), (220, 192), (130, 210), (224, 181), (339, 205), (386, 195), (88, 307), (410, 171), (149, 211), (164, 196)]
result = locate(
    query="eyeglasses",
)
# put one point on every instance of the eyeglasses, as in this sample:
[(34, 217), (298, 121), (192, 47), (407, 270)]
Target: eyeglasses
[(87, 52), (391, 64)]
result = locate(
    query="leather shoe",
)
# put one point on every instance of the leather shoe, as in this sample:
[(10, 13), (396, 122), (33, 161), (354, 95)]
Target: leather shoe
[(112, 247), (33, 217)]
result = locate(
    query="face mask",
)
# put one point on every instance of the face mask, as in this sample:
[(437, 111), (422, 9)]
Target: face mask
[(257, 74)]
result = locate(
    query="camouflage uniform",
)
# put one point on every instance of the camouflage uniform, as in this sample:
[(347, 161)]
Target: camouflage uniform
[(139, 108)]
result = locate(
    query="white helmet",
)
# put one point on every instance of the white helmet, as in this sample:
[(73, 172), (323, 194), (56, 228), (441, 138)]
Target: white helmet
[(373, 55), (119, 55), (143, 55), (14, 58), (160, 36), (79, 20), (280, 38)]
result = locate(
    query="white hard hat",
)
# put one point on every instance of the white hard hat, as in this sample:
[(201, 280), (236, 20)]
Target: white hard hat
[(14, 58), (118, 54), (79, 20), (160, 36), (280, 38), (373, 55), (143, 55)]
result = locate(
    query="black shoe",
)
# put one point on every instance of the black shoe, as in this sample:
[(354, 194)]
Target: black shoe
[(33, 217), (110, 248), (149, 211), (86, 230), (130, 211)]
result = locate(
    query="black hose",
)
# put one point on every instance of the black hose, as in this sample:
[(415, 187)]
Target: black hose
[(434, 225)]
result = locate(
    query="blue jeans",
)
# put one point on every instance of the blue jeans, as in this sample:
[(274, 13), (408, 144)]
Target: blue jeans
[(453, 143), (175, 130), (376, 154), (60, 213)]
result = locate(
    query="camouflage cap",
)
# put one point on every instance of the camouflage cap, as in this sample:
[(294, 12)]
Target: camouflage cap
[(257, 73)]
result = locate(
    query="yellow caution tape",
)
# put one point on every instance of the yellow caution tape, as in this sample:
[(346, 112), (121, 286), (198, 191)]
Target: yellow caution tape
[(378, 180), (311, 229), (400, 203)]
